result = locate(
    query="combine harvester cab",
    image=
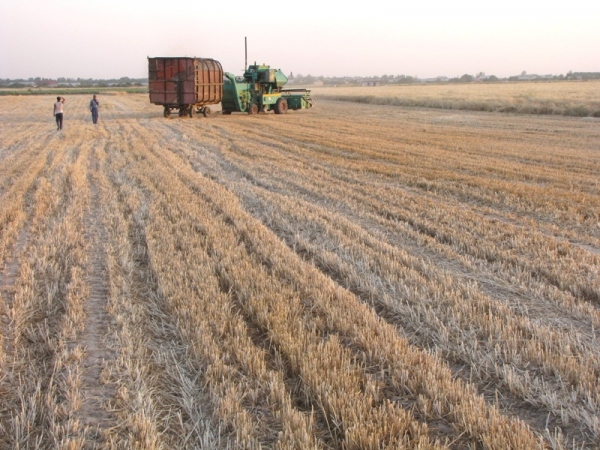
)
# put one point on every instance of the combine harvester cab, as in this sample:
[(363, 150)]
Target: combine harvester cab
[(260, 89), (183, 84)]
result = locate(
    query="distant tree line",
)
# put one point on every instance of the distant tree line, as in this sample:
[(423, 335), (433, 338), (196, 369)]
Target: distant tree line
[(300, 79), (466, 78), (73, 82), (585, 75), (384, 79)]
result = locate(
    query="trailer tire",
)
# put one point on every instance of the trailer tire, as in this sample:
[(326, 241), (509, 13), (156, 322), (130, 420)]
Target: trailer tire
[(167, 113), (190, 111), (206, 111), (253, 108), (227, 113), (281, 106)]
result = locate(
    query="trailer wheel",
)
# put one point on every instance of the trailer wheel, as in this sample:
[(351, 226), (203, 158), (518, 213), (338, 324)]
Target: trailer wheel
[(190, 110), (281, 106), (253, 109), (167, 112), (206, 111), (227, 113)]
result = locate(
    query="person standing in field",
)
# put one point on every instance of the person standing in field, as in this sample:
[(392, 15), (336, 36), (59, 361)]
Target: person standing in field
[(58, 112), (94, 105)]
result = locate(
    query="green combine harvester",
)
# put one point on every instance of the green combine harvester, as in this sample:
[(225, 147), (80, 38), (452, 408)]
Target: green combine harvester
[(260, 89)]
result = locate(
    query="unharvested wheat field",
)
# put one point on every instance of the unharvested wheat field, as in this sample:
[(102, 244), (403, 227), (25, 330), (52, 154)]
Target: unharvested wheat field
[(573, 98), (347, 277)]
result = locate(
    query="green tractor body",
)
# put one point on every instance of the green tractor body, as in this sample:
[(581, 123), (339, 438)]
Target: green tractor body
[(260, 89)]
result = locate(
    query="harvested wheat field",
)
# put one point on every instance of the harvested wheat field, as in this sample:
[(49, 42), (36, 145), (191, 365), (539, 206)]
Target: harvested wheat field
[(347, 277)]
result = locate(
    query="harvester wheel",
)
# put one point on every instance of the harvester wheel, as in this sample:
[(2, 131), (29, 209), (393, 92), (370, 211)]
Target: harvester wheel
[(206, 111), (167, 112), (190, 111), (253, 109), (227, 113), (281, 106)]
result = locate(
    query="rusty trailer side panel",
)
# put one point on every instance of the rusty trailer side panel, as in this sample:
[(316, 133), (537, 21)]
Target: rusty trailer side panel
[(184, 81)]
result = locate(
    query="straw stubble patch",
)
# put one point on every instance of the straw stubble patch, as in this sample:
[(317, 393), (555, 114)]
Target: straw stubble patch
[(345, 277)]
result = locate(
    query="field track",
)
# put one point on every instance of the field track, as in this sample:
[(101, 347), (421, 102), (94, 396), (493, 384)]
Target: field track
[(348, 277)]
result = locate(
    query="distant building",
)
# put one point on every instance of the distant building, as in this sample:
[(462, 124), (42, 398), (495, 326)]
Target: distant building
[(21, 83), (366, 83), (525, 77), (435, 80), (530, 77)]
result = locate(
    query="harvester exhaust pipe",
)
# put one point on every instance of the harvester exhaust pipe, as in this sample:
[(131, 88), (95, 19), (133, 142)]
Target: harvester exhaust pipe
[(246, 53)]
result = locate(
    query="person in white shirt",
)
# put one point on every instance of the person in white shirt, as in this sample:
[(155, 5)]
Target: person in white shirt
[(58, 112)]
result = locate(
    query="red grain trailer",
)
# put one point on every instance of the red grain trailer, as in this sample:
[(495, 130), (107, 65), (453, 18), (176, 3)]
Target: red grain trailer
[(185, 84)]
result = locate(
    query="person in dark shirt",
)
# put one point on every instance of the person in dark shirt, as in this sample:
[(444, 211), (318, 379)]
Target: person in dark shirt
[(94, 106)]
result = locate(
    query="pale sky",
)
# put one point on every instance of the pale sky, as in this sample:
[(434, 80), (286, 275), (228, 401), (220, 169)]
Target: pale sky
[(112, 39)]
